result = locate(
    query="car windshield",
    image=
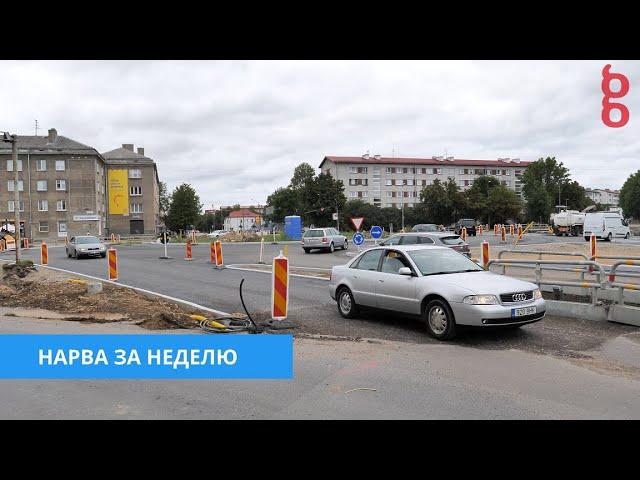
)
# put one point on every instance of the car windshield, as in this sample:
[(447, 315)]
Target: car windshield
[(453, 240), (467, 222), (314, 233), (440, 261), (82, 240)]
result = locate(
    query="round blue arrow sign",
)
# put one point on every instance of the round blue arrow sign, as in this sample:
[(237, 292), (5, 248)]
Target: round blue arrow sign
[(376, 232), (358, 239)]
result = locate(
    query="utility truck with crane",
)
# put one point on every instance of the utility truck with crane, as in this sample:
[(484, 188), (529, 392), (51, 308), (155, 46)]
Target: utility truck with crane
[(568, 222)]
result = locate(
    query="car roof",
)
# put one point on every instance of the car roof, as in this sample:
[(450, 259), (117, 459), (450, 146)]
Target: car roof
[(409, 248), (428, 234)]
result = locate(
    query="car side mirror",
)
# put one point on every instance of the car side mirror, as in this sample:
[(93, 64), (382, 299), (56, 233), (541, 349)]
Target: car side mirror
[(405, 271)]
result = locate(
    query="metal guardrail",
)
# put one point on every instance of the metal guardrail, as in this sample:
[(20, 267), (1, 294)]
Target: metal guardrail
[(601, 284), (540, 253)]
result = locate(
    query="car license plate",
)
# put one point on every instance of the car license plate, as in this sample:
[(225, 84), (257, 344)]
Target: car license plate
[(522, 312)]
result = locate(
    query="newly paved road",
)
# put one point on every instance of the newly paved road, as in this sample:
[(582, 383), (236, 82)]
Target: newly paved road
[(351, 380)]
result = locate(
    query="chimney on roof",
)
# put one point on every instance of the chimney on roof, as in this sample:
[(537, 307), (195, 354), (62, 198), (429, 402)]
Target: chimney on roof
[(141, 151), (365, 156), (377, 157), (450, 159), (53, 135), (128, 146), (516, 160)]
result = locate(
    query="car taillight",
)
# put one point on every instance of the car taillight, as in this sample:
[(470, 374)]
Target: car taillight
[(325, 240)]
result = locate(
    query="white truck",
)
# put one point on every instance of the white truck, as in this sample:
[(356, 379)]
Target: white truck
[(568, 222)]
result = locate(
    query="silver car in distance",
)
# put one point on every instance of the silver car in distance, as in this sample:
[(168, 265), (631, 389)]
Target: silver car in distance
[(442, 286)]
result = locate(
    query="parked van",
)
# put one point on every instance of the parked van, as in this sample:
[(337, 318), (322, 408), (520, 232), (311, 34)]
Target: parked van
[(605, 225)]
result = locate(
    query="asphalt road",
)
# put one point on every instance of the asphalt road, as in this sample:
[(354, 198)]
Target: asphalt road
[(310, 306), (350, 380)]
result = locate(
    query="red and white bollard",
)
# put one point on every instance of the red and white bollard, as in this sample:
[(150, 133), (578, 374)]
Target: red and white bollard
[(44, 254), (188, 252), (484, 254)]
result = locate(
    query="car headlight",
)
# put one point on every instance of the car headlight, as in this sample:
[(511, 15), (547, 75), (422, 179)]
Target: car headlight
[(82, 249), (481, 300), (537, 294)]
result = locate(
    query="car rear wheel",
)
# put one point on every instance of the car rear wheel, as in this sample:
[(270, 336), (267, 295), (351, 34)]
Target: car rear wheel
[(439, 320), (345, 245), (627, 236), (306, 250), (103, 255), (346, 304), (68, 254), (332, 248), (609, 237)]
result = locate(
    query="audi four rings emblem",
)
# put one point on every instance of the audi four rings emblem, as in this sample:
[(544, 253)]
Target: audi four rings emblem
[(519, 297)]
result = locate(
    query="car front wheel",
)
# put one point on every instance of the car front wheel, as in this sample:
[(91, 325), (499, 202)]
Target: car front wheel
[(345, 245), (332, 248), (439, 320), (609, 237), (306, 250), (346, 304), (627, 236)]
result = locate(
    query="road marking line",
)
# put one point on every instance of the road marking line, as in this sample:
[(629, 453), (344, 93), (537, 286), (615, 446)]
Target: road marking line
[(138, 289)]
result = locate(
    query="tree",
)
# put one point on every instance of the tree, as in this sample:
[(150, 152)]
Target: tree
[(553, 178), (206, 222), (630, 196), (164, 200), (437, 202), (501, 205), (477, 197), (320, 198), (303, 175), (184, 209), (284, 202)]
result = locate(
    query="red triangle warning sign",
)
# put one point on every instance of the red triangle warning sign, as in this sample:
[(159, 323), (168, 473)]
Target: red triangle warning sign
[(357, 222)]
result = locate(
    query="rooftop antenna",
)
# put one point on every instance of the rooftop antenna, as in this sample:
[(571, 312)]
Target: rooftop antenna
[(36, 128)]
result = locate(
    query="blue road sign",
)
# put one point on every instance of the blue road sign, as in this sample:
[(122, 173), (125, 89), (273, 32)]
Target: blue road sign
[(358, 239), (376, 232)]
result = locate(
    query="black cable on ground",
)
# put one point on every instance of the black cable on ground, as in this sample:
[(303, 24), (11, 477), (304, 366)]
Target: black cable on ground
[(235, 325)]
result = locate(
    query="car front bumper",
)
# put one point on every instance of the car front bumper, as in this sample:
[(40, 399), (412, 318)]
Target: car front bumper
[(496, 315)]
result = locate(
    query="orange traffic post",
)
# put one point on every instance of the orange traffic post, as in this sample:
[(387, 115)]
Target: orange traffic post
[(1, 245), (519, 231), (511, 230), (219, 259), (593, 250), (496, 229), (480, 229), (503, 234), (212, 253), (25, 243), (261, 251), (280, 287), (188, 251), (463, 234), (112, 255), (484, 254), (44, 254)]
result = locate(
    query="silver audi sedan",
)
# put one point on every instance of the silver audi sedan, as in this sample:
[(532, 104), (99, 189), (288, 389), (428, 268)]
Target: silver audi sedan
[(85, 246), (442, 286)]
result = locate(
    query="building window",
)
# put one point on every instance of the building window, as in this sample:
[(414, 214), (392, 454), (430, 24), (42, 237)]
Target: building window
[(61, 205), (61, 185), (10, 165), (136, 208), (62, 227), (41, 186), (388, 183), (410, 182), (364, 194), (41, 165), (60, 165), (12, 206), (135, 190), (389, 194), (43, 227), (135, 173), (43, 205), (437, 171), (11, 183), (353, 194)]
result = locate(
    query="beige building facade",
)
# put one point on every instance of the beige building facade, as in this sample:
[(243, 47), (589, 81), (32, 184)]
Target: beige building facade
[(133, 200)]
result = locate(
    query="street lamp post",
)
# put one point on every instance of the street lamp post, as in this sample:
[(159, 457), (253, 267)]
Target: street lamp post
[(13, 140)]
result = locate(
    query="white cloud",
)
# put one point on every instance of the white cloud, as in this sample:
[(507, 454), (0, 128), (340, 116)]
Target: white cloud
[(236, 129)]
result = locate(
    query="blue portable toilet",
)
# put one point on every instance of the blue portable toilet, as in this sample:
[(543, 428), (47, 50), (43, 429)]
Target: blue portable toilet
[(293, 227)]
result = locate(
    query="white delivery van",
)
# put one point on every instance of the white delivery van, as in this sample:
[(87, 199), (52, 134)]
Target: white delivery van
[(605, 225)]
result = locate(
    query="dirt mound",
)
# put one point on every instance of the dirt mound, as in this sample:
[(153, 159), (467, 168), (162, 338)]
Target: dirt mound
[(72, 298)]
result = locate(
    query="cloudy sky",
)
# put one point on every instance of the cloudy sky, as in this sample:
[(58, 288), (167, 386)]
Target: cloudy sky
[(236, 129)]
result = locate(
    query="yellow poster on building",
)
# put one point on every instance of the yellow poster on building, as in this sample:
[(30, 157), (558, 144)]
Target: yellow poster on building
[(118, 191)]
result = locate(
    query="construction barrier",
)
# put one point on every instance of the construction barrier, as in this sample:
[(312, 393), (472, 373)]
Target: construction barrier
[(495, 229), (280, 287), (112, 255), (44, 254), (219, 259), (503, 234), (519, 231), (511, 230), (463, 234), (188, 252), (113, 238), (484, 254), (2, 247), (480, 229), (593, 244), (212, 253), (25, 243)]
